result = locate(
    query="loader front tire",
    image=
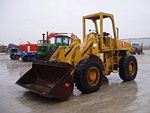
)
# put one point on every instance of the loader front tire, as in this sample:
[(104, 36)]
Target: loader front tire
[(88, 76), (128, 68)]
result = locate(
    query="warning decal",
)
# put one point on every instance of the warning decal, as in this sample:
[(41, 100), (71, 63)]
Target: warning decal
[(123, 44)]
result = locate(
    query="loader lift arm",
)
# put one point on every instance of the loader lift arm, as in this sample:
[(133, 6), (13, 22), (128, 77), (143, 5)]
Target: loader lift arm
[(76, 52)]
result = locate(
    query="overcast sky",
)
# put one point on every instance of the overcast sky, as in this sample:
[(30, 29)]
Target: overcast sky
[(26, 20)]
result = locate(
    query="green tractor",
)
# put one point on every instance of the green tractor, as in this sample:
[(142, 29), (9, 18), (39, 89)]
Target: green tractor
[(47, 47)]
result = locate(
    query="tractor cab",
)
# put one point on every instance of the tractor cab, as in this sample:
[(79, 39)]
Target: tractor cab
[(62, 40), (48, 46)]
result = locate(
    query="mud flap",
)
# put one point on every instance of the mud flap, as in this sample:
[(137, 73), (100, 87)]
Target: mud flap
[(49, 79)]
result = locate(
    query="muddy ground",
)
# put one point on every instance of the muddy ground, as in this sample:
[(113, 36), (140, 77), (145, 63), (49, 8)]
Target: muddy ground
[(114, 97)]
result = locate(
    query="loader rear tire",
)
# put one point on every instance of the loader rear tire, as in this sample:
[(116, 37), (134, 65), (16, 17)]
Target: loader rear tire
[(88, 76), (128, 68)]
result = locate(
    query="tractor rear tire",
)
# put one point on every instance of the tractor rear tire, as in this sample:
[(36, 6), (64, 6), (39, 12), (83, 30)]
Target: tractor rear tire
[(128, 68), (51, 52), (88, 76)]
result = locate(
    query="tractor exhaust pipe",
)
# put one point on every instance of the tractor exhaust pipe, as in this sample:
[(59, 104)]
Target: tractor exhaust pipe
[(43, 37), (47, 37)]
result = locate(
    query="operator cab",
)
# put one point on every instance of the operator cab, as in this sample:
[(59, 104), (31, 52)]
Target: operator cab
[(103, 27)]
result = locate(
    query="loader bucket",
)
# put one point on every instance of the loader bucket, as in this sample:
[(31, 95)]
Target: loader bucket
[(49, 79)]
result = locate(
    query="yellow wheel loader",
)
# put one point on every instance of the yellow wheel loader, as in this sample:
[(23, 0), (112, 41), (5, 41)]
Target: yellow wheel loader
[(83, 64)]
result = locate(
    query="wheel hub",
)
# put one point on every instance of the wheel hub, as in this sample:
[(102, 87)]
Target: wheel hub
[(132, 68), (93, 76)]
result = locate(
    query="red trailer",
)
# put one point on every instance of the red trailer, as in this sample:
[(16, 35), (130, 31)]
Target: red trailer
[(28, 47)]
